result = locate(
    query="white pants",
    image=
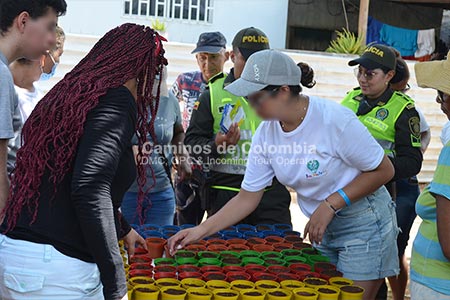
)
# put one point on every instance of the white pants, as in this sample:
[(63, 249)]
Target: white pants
[(30, 271), (421, 292)]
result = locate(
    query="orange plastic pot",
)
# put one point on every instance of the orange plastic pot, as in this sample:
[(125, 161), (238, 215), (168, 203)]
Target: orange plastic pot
[(236, 241), (238, 247), (155, 247), (216, 242), (262, 248), (282, 246), (217, 247), (255, 241), (140, 259), (273, 239), (195, 248)]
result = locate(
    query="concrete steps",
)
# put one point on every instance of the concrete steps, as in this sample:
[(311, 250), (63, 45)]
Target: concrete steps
[(334, 79)]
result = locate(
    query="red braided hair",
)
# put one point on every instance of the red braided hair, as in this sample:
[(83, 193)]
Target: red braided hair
[(53, 130)]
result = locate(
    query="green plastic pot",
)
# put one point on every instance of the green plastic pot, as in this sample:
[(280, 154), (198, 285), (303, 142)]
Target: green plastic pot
[(249, 253), (274, 262), (252, 261), (224, 254), (295, 260), (209, 262), (164, 262), (275, 254), (187, 261), (312, 259), (208, 254), (291, 252)]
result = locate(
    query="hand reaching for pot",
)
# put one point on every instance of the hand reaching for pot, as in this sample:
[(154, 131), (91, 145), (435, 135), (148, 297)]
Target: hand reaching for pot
[(130, 241), (318, 223), (184, 238)]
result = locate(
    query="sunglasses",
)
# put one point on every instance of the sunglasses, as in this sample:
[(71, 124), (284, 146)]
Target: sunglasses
[(369, 74), (441, 97), (257, 98)]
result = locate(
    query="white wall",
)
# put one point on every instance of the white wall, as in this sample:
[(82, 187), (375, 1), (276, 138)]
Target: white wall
[(96, 17)]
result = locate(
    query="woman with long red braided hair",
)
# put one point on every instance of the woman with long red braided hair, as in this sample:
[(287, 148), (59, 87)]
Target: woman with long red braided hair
[(62, 221)]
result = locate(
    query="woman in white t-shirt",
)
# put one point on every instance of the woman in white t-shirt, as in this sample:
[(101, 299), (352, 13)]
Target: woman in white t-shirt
[(338, 170)]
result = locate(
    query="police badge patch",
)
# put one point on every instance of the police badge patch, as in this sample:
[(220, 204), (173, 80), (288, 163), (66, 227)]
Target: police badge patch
[(414, 126), (382, 114)]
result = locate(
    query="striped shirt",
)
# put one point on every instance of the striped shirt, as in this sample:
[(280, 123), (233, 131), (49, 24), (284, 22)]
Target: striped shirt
[(429, 266)]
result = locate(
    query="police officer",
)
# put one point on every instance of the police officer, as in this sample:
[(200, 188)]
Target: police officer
[(390, 116), (225, 154)]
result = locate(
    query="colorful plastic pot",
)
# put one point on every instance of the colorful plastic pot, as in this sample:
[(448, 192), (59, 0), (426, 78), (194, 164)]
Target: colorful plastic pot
[(233, 276), (146, 227), (267, 285), (278, 269), (227, 269), (352, 292), (264, 276), (274, 262), (242, 285), (300, 267), (140, 266), (327, 274), (290, 260), (207, 269), (214, 236), (165, 275), (187, 275), (262, 248), (173, 293), (167, 282), (217, 248), (273, 239), (208, 254), (226, 294), (216, 242), (315, 282), (243, 228), (155, 247), (145, 292), (140, 259), (171, 227), (199, 294), (185, 254), (196, 248), (293, 239), (248, 235), (255, 241), (217, 285), (238, 247), (249, 253), (279, 294), (301, 245), (170, 269), (282, 227), (252, 261), (291, 284), (310, 251), (264, 227), (271, 254), (291, 252), (188, 268), (340, 281), (214, 276), (291, 233), (252, 269), (305, 293), (304, 275), (164, 262), (287, 276), (143, 280), (328, 292), (282, 246), (140, 273), (229, 254), (232, 261), (253, 295), (188, 283), (187, 261), (209, 262), (319, 267), (227, 235)]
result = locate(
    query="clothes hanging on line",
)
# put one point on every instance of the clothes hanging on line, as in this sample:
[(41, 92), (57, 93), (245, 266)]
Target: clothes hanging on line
[(404, 40), (426, 43)]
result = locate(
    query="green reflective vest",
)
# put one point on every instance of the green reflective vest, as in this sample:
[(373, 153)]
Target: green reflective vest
[(380, 121), (235, 160)]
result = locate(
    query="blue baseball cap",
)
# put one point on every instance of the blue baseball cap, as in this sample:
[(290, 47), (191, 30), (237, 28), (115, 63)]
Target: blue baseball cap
[(210, 42)]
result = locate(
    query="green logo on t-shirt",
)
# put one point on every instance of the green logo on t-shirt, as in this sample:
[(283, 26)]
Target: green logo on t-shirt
[(313, 166)]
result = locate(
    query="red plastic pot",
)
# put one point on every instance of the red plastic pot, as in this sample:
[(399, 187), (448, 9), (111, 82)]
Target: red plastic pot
[(217, 248), (227, 269), (140, 259), (207, 269), (155, 247), (214, 276), (216, 242), (232, 276), (187, 268), (319, 267), (139, 251), (286, 276), (255, 241), (195, 248), (262, 248), (167, 252), (273, 239), (141, 266), (282, 246), (238, 247), (165, 269), (278, 269), (236, 241), (293, 239), (327, 274), (304, 274), (300, 268), (201, 243), (185, 275), (264, 276), (252, 269), (161, 275), (136, 273)]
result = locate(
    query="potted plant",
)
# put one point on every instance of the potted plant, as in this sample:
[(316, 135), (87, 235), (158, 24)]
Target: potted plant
[(251, 234), (173, 293), (199, 294), (347, 43), (217, 285), (302, 275), (319, 267), (140, 259), (242, 285), (145, 292), (305, 294), (159, 27), (279, 294), (225, 294), (352, 292)]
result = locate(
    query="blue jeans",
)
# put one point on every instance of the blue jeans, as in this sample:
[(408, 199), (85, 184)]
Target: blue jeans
[(31, 271), (158, 208), (407, 194)]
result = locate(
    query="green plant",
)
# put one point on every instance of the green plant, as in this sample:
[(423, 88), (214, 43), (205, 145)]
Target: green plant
[(347, 43), (159, 26)]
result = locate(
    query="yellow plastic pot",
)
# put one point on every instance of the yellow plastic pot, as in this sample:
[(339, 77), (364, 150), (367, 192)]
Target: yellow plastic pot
[(291, 284), (323, 295), (217, 285), (305, 293), (238, 285), (340, 281), (166, 293), (226, 294), (189, 283), (167, 282), (353, 295), (140, 280), (267, 285), (199, 294), (313, 282), (145, 292), (276, 294), (253, 295)]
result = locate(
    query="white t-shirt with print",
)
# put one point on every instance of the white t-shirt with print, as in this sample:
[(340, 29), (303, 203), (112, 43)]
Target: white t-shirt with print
[(28, 101), (324, 154)]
